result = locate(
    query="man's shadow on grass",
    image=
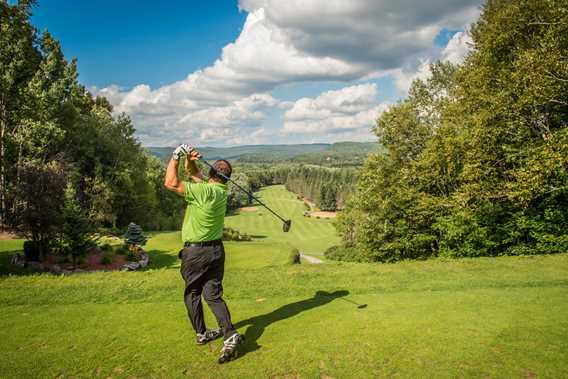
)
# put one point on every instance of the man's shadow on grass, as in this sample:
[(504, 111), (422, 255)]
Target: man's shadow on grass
[(259, 323)]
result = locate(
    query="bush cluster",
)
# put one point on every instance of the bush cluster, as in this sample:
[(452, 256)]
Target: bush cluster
[(342, 253), (230, 234)]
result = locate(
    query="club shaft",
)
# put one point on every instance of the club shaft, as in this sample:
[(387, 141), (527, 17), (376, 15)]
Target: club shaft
[(244, 190)]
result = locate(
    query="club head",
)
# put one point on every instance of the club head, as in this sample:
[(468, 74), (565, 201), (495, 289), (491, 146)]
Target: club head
[(286, 226), (362, 306)]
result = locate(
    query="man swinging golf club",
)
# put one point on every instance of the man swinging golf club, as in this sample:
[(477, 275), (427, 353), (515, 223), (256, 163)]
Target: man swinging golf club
[(203, 255)]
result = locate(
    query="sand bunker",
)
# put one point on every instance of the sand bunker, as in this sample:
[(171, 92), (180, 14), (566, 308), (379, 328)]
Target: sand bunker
[(248, 209), (323, 214)]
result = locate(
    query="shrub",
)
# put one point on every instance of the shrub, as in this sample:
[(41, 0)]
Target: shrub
[(40, 196), (106, 247), (230, 234), (121, 250), (31, 250), (294, 257), (342, 253), (107, 258), (463, 236), (76, 230), (131, 256)]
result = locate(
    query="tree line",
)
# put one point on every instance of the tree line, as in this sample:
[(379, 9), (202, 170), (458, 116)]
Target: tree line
[(64, 157), (476, 158), (327, 187)]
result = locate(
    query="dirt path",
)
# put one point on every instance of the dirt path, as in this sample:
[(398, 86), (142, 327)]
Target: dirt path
[(311, 259), (5, 235)]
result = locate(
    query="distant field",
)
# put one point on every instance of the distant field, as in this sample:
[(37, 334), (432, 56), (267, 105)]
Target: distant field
[(472, 318)]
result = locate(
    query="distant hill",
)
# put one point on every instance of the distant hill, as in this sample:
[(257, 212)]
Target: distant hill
[(341, 153)]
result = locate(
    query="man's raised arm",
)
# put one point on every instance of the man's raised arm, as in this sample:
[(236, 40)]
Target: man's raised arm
[(191, 167), (172, 181)]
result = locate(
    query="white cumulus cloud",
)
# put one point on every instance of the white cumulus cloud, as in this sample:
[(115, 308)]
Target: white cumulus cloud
[(350, 110), (295, 41)]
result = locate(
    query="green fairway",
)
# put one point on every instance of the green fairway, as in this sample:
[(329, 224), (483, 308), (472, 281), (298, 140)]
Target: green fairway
[(477, 318), (309, 235)]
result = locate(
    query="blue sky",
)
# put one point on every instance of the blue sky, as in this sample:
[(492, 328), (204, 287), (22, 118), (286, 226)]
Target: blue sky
[(128, 42), (255, 71)]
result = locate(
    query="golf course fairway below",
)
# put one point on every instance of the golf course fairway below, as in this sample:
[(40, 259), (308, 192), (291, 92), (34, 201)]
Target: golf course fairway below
[(309, 235)]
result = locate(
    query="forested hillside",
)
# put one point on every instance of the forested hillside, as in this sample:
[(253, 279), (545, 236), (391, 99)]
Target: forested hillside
[(476, 157), (335, 155), (340, 154)]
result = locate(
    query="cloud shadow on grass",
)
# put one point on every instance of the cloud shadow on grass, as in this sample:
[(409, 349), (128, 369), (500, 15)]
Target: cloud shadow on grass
[(258, 324)]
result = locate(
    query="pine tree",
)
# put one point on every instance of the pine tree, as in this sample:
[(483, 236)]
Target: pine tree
[(134, 235), (76, 227)]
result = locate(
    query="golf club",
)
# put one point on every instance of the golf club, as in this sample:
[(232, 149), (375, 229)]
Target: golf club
[(287, 223), (359, 306)]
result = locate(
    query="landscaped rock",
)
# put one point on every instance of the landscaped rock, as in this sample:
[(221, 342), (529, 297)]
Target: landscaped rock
[(130, 266), (18, 260), (144, 259)]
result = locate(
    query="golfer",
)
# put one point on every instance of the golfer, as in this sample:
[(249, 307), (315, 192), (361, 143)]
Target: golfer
[(203, 255)]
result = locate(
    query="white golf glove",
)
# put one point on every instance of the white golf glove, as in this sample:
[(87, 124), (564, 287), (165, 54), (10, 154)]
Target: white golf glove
[(181, 150)]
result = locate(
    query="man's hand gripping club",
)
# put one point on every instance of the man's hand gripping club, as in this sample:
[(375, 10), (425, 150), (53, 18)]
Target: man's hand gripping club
[(172, 181), (182, 150)]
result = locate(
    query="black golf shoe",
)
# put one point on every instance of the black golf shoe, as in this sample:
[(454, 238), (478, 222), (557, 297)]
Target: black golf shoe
[(229, 350), (209, 335)]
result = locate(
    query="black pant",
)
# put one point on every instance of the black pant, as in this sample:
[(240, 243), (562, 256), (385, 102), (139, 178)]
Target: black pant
[(202, 268)]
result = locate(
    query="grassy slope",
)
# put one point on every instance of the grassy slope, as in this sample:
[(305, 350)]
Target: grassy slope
[(488, 317)]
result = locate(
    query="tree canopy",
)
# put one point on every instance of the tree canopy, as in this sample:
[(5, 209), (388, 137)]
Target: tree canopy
[(49, 120), (476, 157)]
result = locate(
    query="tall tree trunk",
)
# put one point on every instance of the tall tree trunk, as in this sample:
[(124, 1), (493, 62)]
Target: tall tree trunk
[(3, 122)]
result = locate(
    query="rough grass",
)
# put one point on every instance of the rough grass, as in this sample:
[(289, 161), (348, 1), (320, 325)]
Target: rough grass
[(475, 318)]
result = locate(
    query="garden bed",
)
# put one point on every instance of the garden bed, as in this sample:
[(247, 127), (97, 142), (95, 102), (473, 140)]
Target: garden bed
[(92, 262)]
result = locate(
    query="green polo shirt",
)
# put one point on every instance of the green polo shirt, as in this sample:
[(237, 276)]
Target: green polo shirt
[(205, 212)]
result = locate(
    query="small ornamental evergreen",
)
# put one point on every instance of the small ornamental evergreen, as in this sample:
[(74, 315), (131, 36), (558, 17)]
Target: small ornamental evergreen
[(76, 231), (134, 236)]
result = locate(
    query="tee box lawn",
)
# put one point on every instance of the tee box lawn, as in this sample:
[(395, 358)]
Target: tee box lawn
[(475, 318)]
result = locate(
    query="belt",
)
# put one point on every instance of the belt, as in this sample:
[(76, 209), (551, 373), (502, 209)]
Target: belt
[(203, 243)]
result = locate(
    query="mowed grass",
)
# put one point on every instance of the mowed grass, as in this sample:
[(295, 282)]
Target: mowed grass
[(309, 235), (475, 318)]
